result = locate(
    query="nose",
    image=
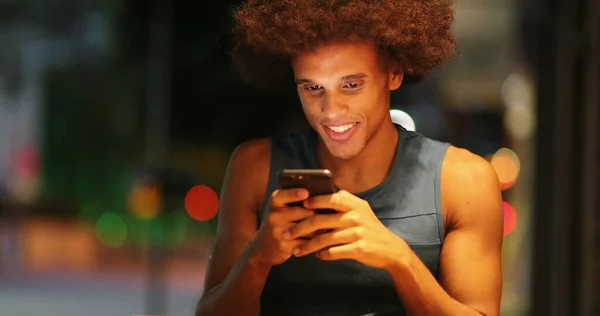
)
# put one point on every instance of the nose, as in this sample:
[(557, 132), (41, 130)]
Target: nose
[(333, 106)]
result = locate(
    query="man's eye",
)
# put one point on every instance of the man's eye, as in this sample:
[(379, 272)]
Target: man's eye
[(312, 88), (352, 85)]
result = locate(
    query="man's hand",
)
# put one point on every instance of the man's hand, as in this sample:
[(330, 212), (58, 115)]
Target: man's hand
[(355, 233), (269, 247)]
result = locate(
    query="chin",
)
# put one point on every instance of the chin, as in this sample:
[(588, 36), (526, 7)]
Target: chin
[(344, 151)]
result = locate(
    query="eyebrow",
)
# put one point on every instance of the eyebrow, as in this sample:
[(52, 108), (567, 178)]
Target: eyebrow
[(344, 78)]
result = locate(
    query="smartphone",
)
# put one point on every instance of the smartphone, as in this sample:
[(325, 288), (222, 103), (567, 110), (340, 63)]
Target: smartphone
[(316, 181)]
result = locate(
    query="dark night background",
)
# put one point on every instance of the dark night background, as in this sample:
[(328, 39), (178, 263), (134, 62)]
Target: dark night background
[(110, 111)]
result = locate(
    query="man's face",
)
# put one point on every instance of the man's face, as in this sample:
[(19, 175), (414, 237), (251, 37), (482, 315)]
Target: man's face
[(345, 92)]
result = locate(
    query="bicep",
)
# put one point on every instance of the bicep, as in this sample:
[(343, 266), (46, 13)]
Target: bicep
[(470, 270), (243, 186), (470, 262)]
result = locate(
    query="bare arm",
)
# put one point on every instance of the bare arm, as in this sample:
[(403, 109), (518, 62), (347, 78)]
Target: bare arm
[(470, 262), (233, 283)]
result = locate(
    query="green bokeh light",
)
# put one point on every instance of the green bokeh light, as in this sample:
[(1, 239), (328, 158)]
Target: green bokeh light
[(111, 230)]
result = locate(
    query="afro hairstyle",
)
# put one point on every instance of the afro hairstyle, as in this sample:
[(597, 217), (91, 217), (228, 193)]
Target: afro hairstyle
[(414, 35)]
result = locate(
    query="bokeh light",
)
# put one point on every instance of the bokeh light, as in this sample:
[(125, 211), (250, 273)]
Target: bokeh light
[(26, 162), (510, 218), (25, 167), (144, 202), (520, 122), (111, 230), (403, 118), (507, 166), (202, 203), (517, 90), (25, 190), (518, 94)]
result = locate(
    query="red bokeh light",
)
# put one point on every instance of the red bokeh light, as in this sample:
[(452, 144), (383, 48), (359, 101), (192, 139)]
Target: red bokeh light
[(26, 161), (202, 203), (510, 218)]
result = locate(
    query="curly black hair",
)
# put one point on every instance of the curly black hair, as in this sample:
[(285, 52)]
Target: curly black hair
[(416, 35)]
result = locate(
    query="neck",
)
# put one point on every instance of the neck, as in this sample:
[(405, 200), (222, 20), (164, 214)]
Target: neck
[(367, 169)]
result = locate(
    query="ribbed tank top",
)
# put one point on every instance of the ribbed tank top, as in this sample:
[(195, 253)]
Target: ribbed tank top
[(407, 202)]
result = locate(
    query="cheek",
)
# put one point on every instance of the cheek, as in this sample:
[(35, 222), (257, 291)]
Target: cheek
[(365, 103), (378, 101)]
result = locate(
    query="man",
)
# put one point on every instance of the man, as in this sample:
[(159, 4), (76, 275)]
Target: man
[(418, 227)]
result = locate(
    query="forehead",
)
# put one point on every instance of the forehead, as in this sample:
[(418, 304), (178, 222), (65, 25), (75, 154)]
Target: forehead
[(340, 58)]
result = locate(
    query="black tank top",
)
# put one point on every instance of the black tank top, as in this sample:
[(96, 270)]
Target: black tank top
[(407, 202)]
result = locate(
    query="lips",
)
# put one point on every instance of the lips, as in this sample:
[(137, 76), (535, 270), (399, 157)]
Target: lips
[(341, 128), (341, 132)]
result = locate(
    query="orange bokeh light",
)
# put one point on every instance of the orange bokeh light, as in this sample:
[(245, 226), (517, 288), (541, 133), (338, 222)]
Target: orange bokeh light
[(144, 202), (202, 203), (507, 166), (510, 218)]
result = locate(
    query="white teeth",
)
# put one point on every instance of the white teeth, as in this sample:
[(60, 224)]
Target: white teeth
[(341, 128)]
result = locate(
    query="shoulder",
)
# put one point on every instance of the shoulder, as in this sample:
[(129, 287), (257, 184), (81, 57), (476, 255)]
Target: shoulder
[(248, 169), (424, 147), (463, 166), (255, 150), (470, 188)]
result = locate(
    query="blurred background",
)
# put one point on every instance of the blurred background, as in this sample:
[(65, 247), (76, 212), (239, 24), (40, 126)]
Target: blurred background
[(117, 119)]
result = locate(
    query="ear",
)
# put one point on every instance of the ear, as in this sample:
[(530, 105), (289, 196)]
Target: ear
[(395, 79)]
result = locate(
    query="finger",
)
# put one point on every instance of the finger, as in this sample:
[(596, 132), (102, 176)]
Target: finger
[(347, 251), (323, 241), (341, 201), (314, 224), (288, 215), (287, 246), (281, 197)]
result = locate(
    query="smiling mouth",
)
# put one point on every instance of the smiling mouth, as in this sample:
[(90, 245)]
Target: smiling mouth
[(340, 133), (341, 128)]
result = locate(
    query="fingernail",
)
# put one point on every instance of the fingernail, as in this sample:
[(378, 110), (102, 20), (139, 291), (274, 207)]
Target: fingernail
[(286, 234), (296, 251)]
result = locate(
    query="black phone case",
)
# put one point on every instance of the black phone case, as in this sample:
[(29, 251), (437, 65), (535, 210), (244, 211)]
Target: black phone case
[(316, 184)]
